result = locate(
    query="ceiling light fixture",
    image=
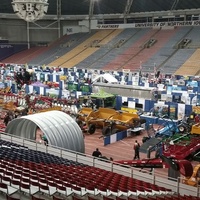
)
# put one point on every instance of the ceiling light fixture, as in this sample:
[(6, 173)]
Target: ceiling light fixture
[(30, 10)]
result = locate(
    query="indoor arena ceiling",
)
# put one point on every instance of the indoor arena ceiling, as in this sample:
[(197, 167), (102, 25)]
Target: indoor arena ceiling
[(101, 7)]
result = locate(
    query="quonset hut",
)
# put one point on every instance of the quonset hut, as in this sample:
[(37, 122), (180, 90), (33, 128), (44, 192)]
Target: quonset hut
[(60, 129)]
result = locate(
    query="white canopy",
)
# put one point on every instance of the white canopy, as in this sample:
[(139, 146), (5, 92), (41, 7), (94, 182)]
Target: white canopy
[(108, 78)]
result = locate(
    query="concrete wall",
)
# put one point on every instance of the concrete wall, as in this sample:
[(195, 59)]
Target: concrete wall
[(15, 30)]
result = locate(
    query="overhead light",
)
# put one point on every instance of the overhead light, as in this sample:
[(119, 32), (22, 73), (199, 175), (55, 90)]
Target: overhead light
[(30, 10)]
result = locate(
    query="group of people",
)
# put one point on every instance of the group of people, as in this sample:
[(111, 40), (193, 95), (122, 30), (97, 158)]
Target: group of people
[(22, 76), (136, 149)]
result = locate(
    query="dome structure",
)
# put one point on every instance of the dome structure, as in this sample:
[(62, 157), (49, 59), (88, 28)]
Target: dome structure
[(60, 129)]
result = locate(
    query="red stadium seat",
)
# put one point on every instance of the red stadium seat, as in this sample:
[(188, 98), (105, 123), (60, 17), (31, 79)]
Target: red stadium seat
[(12, 198), (37, 198), (57, 198)]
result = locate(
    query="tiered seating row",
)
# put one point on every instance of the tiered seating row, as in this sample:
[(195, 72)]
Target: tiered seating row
[(191, 66), (35, 172)]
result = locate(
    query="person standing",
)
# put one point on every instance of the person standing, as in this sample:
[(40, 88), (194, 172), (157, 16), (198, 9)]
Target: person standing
[(44, 138), (6, 119), (136, 148)]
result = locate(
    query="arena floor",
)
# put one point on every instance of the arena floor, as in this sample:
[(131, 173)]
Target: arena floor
[(121, 150)]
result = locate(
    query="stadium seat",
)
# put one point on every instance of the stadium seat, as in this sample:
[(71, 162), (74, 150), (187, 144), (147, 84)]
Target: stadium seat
[(34, 187), (37, 198), (61, 189), (12, 198), (44, 189), (25, 188), (5, 180), (15, 184), (57, 198), (92, 198), (3, 188)]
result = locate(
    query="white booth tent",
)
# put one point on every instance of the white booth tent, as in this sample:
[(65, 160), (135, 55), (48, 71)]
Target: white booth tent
[(60, 129), (108, 78)]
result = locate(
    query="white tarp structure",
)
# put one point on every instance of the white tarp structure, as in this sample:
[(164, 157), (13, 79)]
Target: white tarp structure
[(105, 78), (60, 129)]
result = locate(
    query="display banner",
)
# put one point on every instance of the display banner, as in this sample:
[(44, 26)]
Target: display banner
[(181, 111), (146, 25)]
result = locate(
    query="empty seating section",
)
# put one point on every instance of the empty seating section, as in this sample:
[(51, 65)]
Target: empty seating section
[(161, 37), (109, 37), (110, 50), (120, 49), (30, 172), (165, 58), (50, 51), (177, 60), (82, 51), (191, 66), (92, 48), (23, 57), (134, 47), (193, 35), (59, 48), (105, 47), (131, 58)]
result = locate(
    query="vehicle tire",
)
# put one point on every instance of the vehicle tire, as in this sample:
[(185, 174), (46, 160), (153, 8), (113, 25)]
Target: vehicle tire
[(136, 122), (115, 130), (143, 121), (182, 128), (138, 132), (106, 131), (80, 123), (144, 139), (91, 128)]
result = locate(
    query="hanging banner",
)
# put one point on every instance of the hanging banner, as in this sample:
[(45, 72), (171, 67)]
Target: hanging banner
[(146, 25)]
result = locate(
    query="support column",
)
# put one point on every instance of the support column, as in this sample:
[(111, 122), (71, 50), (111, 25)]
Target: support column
[(28, 35), (91, 10), (59, 16)]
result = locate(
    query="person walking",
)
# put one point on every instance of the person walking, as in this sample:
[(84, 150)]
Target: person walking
[(136, 148)]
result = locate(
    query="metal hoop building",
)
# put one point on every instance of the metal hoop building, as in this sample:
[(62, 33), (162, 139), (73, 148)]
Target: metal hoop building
[(60, 129)]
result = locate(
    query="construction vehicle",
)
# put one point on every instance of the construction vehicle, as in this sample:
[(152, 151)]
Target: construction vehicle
[(195, 129), (92, 119), (122, 121), (109, 120)]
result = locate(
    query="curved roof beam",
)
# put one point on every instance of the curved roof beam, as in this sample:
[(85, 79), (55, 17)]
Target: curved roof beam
[(174, 4), (91, 8), (128, 7)]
